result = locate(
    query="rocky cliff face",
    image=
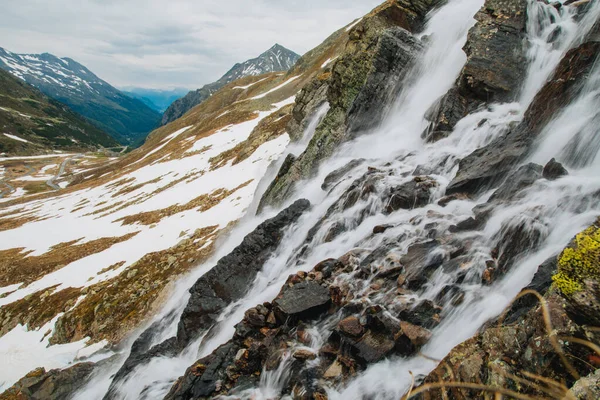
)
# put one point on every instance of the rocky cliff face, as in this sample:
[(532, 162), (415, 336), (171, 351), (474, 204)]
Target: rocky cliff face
[(359, 87), (276, 59)]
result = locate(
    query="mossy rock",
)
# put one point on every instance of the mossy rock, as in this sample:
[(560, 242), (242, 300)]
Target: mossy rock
[(578, 276)]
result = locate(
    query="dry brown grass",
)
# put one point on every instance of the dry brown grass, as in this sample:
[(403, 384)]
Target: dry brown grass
[(268, 129), (16, 266), (37, 309), (544, 388), (112, 309), (200, 203)]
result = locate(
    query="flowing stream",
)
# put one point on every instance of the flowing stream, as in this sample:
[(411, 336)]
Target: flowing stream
[(554, 211)]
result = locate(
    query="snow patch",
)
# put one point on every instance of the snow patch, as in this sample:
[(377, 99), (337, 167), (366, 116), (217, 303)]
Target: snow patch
[(8, 135), (260, 96)]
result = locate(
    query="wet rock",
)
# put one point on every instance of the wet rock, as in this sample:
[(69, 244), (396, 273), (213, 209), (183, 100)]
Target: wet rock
[(495, 66), (373, 346), (381, 228), (233, 274), (541, 282), (334, 370), (304, 354), (350, 326), (410, 338), (397, 50), (203, 379), (488, 165), (55, 384), (337, 175), (369, 72), (304, 300), (424, 314), (413, 194), (445, 114), (554, 170), (444, 201), (524, 177), (420, 261), (516, 238), (328, 267), (495, 50), (468, 224)]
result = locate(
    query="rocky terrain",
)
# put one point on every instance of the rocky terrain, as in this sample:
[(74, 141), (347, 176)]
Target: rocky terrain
[(276, 59), (411, 211), (65, 80)]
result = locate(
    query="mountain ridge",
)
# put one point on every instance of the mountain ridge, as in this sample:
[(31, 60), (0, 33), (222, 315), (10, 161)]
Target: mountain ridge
[(126, 119), (275, 59), (33, 123)]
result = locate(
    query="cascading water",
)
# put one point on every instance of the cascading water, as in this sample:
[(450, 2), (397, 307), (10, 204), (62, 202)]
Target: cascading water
[(552, 211)]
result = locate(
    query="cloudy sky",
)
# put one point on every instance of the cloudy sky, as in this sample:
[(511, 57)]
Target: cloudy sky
[(169, 43)]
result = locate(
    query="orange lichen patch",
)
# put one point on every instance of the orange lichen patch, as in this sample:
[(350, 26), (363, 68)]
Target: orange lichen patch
[(37, 309), (16, 266), (201, 203), (113, 308), (129, 189), (268, 129)]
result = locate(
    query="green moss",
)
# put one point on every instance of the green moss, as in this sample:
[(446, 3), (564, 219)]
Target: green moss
[(579, 262)]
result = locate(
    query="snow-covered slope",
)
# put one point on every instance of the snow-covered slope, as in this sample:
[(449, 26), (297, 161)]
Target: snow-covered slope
[(276, 59), (127, 120), (87, 265)]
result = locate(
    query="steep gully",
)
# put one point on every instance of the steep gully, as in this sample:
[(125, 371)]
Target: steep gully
[(365, 209)]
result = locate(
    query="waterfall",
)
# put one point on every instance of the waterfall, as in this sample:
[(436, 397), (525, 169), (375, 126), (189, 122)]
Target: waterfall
[(553, 210)]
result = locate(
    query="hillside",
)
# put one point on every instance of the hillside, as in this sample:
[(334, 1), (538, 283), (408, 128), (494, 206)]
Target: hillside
[(126, 119), (32, 123), (276, 59), (411, 211)]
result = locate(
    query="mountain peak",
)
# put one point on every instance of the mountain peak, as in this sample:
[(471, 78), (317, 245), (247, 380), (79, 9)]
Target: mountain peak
[(276, 59)]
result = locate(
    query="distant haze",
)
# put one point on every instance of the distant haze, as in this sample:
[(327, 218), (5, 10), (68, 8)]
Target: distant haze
[(170, 44)]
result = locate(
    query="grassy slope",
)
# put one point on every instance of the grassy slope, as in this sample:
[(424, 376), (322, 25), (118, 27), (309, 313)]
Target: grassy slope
[(45, 123)]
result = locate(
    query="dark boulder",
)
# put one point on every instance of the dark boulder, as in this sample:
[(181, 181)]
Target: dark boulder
[(495, 67), (373, 346), (413, 194), (55, 384), (229, 280), (203, 379), (524, 177), (554, 170), (337, 175), (488, 165), (303, 300)]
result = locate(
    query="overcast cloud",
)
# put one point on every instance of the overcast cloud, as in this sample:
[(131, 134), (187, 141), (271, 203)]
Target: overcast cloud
[(169, 43)]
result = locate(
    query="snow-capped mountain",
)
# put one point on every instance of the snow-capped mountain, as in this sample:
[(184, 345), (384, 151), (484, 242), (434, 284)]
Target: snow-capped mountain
[(277, 58), (127, 120)]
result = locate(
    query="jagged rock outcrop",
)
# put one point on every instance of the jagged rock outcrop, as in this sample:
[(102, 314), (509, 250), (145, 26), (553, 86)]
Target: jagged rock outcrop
[(495, 66), (234, 273), (55, 384), (508, 354), (489, 164), (225, 283), (274, 332), (361, 83)]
